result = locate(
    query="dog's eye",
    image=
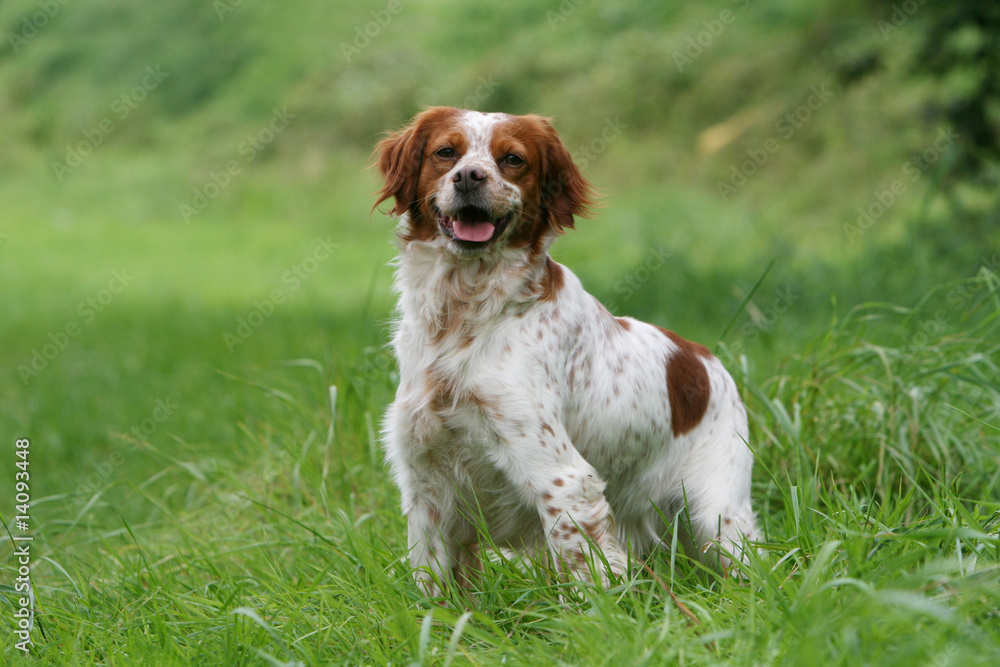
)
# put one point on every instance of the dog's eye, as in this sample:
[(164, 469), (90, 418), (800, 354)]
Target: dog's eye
[(513, 160), (447, 153)]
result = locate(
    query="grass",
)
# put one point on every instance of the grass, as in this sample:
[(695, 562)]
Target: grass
[(282, 543), (198, 498)]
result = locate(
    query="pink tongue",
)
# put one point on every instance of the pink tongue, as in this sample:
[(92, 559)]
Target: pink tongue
[(473, 231)]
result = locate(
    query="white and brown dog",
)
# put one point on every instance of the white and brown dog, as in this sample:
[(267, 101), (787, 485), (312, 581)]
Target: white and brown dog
[(524, 406)]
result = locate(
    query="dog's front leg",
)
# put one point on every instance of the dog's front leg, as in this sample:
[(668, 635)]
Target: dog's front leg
[(576, 519), (431, 555), (411, 434), (578, 523)]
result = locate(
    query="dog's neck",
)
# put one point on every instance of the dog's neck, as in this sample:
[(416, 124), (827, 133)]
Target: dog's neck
[(449, 293)]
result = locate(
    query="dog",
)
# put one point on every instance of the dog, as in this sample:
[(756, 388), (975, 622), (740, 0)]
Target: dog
[(525, 408)]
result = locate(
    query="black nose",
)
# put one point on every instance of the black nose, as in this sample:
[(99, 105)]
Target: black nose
[(468, 178)]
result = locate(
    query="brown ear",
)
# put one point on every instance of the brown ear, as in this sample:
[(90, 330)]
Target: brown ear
[(565, 192), (398, 161), (400, 156)]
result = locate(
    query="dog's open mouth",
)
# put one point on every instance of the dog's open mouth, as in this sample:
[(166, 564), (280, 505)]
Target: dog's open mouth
[(472, 226)]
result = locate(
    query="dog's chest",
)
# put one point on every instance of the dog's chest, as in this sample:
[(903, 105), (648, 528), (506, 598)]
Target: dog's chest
[(468, 379), (469, 382), (471, 423)]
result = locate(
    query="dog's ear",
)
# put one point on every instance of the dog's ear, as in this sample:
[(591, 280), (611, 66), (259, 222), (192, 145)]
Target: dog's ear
[(564, 190), (400, 155), (398, 160)]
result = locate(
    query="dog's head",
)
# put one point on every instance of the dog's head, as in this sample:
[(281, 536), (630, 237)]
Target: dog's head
[(479, 182)]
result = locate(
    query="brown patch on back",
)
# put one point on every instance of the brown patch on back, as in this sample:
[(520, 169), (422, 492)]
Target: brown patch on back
[(683, 343), (687, 383), (625, 324)]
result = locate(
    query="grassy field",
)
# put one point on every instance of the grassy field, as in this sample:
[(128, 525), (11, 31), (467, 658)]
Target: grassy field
[(178, 302)]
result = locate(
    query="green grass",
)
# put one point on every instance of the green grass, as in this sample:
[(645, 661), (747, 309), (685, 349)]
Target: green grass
[(198, 499), (876, 486)]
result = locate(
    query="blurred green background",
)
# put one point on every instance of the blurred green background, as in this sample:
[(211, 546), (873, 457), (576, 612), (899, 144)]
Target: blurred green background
[(185, 200)]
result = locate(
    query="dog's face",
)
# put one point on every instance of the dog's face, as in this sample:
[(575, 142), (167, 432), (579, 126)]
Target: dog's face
[(477, 182)]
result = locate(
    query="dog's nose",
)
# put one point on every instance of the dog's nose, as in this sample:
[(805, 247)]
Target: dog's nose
[(468, 178)]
